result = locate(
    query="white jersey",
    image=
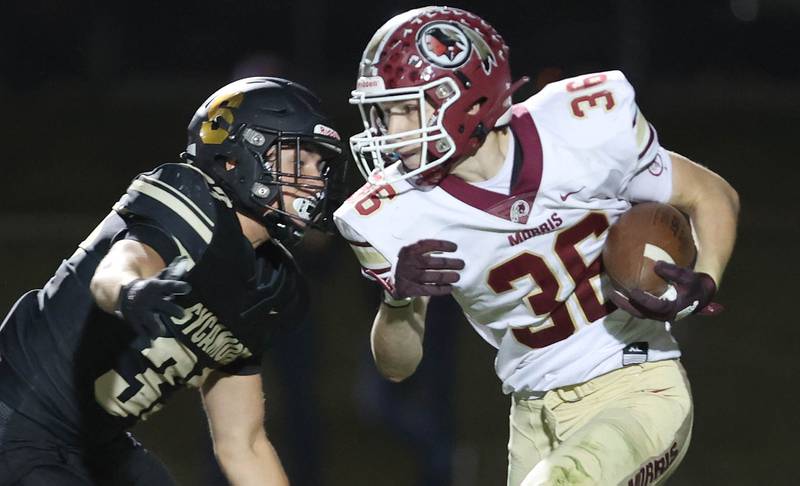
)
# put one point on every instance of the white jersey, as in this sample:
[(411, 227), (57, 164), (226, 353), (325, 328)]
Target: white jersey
[(532, 284)]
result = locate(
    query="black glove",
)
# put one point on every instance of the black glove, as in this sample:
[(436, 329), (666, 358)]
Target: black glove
[(691, 293), (142, 300), (419, 274)]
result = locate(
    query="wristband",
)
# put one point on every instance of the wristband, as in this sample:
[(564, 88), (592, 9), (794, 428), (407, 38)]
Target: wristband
[(124, 295)]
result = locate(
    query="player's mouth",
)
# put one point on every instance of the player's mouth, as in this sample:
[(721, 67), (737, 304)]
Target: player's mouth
[(410, 157), (403, 153), (407, 152)]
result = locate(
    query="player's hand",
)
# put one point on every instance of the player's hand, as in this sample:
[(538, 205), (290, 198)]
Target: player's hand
[(419, 274), (690, 293), (141, 301)]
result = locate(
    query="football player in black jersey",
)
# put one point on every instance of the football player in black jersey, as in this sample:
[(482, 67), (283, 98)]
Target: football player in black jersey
[(183, 284)]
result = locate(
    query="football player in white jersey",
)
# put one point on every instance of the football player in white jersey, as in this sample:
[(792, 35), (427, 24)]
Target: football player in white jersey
[(507, 207)]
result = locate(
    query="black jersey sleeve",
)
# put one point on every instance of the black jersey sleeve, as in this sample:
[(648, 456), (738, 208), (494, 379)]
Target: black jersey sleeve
[(179, 200), (152, 235), (243, 367)]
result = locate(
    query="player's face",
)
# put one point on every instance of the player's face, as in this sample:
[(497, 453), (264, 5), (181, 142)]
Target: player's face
[(298, 186), (403, 116)]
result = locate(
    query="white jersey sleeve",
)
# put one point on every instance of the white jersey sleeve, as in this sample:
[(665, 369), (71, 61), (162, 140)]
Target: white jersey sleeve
[(598, 112), (361, 221), (654, 183), (374, 265)]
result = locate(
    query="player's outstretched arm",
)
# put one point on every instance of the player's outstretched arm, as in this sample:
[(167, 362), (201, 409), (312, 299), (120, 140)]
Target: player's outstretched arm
[(396, 338), (234, 406), (126, 261), (399, 327), (127, 284), (713, 207)]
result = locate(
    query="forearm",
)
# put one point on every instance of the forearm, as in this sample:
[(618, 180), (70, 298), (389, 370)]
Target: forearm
[(106, 284), (258, 465), (715, 225), (126, 261), (235, 408), (397, 337), (713, 212)]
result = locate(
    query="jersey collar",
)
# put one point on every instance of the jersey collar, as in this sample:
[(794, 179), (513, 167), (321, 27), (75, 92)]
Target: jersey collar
[(515, 207)]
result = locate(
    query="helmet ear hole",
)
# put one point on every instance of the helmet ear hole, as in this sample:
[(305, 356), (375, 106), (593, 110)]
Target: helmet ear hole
[(477, 105)]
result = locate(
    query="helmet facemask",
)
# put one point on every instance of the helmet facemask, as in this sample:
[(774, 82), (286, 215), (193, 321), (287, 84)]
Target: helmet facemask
[(375, 149), (281, 179), (259, 178)]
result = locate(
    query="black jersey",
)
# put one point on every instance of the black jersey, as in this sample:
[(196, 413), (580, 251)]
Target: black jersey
[(86, 374)]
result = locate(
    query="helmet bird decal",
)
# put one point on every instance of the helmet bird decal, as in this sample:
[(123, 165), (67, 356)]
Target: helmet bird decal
[(444, 44)]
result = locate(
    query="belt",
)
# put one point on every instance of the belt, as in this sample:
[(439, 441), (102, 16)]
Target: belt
[(574, 393)]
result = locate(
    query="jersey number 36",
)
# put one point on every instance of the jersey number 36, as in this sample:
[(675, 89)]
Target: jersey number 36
[(543, 301)]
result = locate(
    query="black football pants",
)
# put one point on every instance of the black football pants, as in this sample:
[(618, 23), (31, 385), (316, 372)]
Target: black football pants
[(30, 456)]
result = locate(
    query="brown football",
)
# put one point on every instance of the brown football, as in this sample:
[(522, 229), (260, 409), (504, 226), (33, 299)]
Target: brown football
[(646, 233)]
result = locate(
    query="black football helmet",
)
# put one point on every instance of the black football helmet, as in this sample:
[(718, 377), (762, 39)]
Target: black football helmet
[(231, 133)]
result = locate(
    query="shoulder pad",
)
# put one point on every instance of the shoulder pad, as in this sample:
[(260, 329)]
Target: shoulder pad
[(587, 110), (178, 198), (367, 222), (369, 203)]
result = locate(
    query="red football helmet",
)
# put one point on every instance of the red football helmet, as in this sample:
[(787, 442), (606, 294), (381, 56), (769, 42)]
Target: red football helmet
[(448, 58)]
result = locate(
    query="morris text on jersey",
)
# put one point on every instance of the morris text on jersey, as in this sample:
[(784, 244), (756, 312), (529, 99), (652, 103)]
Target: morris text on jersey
[(552, 223)]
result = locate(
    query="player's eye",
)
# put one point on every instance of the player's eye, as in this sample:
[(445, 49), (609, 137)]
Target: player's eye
[(270, 158), (403, 109)]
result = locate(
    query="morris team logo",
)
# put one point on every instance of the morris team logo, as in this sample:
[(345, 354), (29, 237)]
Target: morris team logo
[(444, 44), (519, 210)]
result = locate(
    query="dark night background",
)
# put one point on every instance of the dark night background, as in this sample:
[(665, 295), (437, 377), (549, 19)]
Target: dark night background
[(92, 93)]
